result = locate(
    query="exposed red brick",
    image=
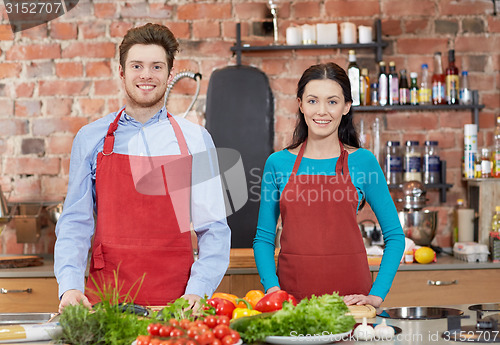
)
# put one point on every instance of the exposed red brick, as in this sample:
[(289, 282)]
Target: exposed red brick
[(417, 26), (134, 10), (6, 33), (205, 29), (285, 124), (47, 126), (10, 244), (193, 11), (65, 166), (274, 66), (306, 9), (106, 87), (27, 108), (59, 144), (32, 165), (7, 106), (285, 86), (251, 10), (67, 88), (467, 7), (92, 30), (98, 69), (161, 11), (69, 69), (352, 8), (25, 89), (36, 33), (8, 70), (92, 106), (92, 50), (34, 52), (494, 24), (477, 44), (57, 107), (63, 31), (421, 45), (408, 8), (54, 186), (106, 10), (119, 29)]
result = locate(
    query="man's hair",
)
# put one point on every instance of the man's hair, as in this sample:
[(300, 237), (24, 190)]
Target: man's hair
[(150, 34)]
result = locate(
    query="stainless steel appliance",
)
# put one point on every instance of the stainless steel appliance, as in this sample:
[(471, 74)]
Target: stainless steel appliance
[(484, 331), (419, 313)]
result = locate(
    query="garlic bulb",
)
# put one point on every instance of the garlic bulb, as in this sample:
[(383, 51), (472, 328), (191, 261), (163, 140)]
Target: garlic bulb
[(364, 331), (383, 331)]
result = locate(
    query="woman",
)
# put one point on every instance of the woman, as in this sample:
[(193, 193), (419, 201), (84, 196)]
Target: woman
[(317, 185)]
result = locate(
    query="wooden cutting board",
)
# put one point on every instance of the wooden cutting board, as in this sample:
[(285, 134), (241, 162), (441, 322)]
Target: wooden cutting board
[(20, 261), (361, 311)]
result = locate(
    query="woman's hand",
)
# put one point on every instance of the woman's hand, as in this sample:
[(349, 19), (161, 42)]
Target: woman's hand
[(375, 301), (73, 297), (274, 288)]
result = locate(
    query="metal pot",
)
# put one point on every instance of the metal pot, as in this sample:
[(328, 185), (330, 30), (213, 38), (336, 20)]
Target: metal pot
[(419, 226), (413, 195), (55, 212)]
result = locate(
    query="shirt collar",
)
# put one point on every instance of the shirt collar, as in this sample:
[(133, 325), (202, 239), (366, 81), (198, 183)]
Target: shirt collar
[(158, 117)]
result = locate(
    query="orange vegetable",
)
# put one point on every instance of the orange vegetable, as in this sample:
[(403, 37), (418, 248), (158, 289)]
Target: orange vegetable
[(226, 296), (252, 297)]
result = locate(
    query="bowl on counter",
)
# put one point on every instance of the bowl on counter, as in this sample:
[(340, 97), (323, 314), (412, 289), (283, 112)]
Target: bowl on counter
[(419, 225)]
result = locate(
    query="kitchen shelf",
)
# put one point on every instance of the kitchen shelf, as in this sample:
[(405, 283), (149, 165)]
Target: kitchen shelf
[(475, 107), (443, 186), (378, 45)]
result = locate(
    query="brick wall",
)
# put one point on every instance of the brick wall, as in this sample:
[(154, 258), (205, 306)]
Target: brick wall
[(57, 77)]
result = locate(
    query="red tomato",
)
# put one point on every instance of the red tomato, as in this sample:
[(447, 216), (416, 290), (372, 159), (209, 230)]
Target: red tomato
[(220, 331), (193, 331), (210, 321), (199, 322), (154, 341), (216, 342), (191, 342), (173, 322), (143, 340), (154, 328), (176, 332), (165, 331), (227, 340), (206, 338), (167, 342), (223, 320), (235, 335), (185, 323), (180, 341)]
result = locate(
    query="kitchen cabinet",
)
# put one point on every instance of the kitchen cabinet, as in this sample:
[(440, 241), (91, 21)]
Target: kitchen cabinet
[(15, 298), (415, 288), (240, 284)]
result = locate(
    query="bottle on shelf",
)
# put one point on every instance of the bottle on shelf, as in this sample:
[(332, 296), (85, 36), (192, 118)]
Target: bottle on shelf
[(432, 164), (412, 165), (383, 85), (465, 93), (413, 88), (393, 84), (404, 88), (353, 72), (374, 93), (393, 164), (485, 163), (424, 94), (478, 168), (459, 205), (495, 236), (452, 81), (364, 82), (496, 150), (438, 81)]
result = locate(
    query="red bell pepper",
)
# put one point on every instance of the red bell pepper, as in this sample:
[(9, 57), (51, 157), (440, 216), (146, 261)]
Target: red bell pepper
[(274, 301), (222, 306)]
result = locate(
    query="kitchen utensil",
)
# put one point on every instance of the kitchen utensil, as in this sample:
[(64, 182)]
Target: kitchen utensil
[(20, 261), (179, 76), (55, 212), (419, 313), (239, 116), (419, 226), (413, 195), (25, 318)]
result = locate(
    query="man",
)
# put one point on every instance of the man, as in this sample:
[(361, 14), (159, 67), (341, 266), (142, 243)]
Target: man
[(134, 170)]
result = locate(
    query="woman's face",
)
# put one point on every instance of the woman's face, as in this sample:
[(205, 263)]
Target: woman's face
[(323, 106)]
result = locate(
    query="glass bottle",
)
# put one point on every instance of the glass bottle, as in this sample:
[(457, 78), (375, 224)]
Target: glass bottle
[(496, 150), (393, 165), (383, 86), (413, 88), (485, 162), (459, 205), (465, 93), (432, 163), (412, 162), (452, 82), (438, 81), (393, 84), (374, 93), (404, 88), (424, 94), (364, 82), (495, 236), (354, 73)]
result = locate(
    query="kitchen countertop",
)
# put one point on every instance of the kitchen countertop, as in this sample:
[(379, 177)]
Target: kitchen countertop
[(425, 332), (444, 262)]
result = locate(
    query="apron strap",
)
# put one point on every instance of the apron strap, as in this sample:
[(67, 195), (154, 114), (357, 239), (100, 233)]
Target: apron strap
[(341, 166), (298, 159), (109, 140)]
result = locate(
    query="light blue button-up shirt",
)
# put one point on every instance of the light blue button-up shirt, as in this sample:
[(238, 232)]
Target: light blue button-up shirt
[(76, 226)]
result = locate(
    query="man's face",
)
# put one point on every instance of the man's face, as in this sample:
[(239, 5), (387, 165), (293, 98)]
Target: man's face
[(145, 76)]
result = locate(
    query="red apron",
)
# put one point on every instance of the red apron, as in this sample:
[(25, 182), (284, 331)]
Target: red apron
[(139, 233), (322, 249)]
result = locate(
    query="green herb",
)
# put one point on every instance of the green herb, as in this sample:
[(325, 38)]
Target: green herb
[(179, 310), (316, 315)]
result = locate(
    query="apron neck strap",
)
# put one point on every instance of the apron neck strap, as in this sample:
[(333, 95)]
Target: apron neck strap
[(109, 140), (339, 167), (299, 158)]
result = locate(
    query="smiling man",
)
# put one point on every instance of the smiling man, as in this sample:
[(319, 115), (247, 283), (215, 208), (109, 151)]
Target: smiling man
[(130, 196)]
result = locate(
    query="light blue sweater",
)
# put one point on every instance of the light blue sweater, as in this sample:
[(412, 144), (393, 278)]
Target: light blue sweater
[(367, 177)]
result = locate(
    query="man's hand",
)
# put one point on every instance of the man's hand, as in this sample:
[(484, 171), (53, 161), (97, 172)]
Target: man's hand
[(194, 302), (272, 289), (73, 297), (375, 301)]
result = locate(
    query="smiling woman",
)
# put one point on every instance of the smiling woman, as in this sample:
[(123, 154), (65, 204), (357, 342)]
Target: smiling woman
[(318, 181)]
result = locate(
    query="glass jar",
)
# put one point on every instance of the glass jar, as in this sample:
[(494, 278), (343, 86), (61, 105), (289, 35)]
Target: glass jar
[(485, 162), (393, 166), (412, 162), (432, 164)]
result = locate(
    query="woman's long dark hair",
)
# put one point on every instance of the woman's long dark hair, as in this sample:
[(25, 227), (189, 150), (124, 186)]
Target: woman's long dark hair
[(332, 71)]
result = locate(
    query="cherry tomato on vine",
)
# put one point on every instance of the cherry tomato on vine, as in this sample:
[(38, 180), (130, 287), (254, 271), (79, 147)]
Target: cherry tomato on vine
[(223, 320), (154, 328), (210, 321), (143, 340), (220, 331)]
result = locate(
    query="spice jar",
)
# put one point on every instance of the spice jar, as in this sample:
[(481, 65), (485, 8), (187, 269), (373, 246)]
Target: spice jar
[(393, 163), (432, 164), (412, 162), (485, 162)]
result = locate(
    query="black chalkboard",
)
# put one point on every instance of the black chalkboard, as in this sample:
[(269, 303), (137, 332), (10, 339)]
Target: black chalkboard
[(239, 116)]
